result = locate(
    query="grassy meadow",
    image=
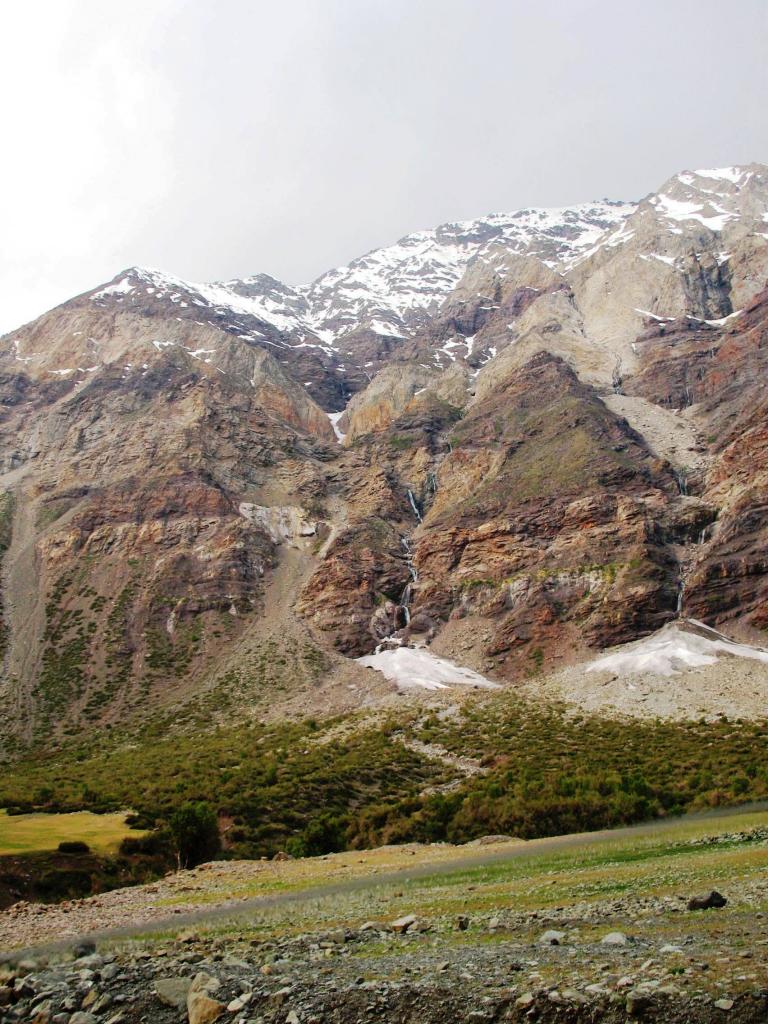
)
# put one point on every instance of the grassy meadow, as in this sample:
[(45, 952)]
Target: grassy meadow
[(37, 833)]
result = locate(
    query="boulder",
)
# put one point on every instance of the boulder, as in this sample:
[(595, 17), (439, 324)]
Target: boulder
[(551, 938), (637, 1003), (201, 1007), (83, 948), (713, 900), (402, 924), (173, 991)]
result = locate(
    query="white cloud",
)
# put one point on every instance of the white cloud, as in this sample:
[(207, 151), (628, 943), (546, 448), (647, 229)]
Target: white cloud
[(216, 139)]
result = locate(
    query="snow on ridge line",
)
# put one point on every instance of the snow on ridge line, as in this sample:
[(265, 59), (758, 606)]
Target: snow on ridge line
[(214, 295), (415, 273), (732, 174), (672, 649), (415, 668)]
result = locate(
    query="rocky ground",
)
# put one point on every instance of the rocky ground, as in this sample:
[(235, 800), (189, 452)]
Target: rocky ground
[(732, 687), (594, 928)]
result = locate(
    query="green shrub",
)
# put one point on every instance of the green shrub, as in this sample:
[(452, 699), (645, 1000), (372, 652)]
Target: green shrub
[(74, 846), (194, 829)]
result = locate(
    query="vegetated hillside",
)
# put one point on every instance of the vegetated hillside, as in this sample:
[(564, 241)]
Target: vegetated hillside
[(500, 765), (547, 425)]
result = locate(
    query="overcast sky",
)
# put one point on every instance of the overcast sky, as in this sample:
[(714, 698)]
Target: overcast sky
[(220, 138)]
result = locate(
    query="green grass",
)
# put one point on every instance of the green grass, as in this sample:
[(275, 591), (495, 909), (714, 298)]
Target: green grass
[(34, 833), (314, 787), (664, 860)]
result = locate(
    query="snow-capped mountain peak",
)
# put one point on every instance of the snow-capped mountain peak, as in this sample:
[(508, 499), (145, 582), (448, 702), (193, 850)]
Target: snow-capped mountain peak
[(390, 291)]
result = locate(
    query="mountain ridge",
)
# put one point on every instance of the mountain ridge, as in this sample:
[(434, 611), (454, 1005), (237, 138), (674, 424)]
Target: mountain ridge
[(517, 440)]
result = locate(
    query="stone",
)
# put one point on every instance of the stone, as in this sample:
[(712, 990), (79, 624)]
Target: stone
[(203, 982), (103, 1003), (173, 991), (89, 962), (714, 900), (282, 995), (525, 1001), (83, 948), (462, 922), (420, 926), (202, 1009), (402, 924), (572, 995), (637, 1003), (551, 937), (724, 1004), (614, 939), (240, 1003), (82, 1018)]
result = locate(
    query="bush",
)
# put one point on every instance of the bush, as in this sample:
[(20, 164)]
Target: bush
[(151, 845), (63, 883), (74, 846), (194, 828)]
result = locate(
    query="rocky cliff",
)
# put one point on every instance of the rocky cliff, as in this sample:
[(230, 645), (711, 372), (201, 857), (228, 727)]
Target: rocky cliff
[(519, 439)]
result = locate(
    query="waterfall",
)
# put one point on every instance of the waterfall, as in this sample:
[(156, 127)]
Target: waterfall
[(680, 592), (682, 482), (407, 595), (414, 506)]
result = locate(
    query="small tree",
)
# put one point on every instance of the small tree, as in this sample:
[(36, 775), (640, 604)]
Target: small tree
[(195, 831)]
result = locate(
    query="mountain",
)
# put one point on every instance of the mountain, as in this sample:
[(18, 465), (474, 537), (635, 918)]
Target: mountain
[(518, 439)]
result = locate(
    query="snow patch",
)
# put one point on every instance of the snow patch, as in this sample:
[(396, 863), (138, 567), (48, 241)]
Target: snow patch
[(673, 649), (732, 174), (682, 210), (334, 417), (121, 287), (414, 668)]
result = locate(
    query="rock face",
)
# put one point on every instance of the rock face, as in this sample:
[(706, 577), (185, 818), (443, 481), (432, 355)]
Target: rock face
[(533, 434)]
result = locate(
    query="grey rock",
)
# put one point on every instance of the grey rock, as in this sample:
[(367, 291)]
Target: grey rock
[(83, 948), (551, 937), (637, 1003), (173, 991)]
